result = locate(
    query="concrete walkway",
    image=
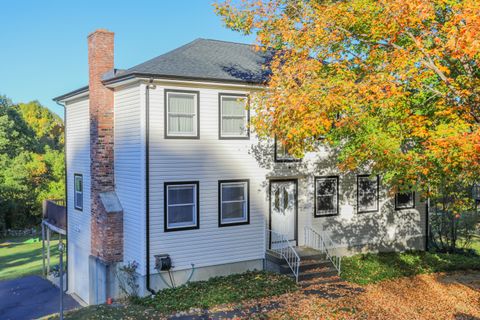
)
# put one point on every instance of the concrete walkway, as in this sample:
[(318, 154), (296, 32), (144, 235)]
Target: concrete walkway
[(31, 297)]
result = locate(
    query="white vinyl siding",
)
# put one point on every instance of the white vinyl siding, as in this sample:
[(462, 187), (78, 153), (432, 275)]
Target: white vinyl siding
[(206, 160), (233, 117), (129, 157), (182, 114), (233, 202), (78, 162)]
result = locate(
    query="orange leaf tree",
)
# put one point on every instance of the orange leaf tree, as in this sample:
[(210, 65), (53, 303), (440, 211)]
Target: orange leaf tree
[(394, 85)]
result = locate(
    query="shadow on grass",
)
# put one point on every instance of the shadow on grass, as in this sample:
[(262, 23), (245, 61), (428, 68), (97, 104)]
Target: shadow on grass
[(372, 268)]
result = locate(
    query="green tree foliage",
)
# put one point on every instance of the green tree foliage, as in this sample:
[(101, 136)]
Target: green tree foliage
[(32, 161)]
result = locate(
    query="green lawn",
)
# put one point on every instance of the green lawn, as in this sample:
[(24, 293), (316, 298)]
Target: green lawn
[(220, 290), (22, 256), (202, 294), (372, 268)]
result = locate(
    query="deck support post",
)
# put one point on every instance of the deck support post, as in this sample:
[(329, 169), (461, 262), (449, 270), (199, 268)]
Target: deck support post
[(48, 251), (43, 249)]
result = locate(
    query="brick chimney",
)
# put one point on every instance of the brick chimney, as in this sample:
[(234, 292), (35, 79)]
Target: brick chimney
[(107, 213)]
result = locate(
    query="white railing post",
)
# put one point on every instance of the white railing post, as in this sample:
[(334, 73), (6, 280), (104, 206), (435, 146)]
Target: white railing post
[(321, 241), (284, 248)]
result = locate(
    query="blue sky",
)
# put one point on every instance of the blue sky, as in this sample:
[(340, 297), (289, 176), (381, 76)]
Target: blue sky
[(43, 44)]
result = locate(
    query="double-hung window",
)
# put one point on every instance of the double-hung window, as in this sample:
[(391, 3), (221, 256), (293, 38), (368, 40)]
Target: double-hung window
[(233, 202), (181, 205), (326, 196), (404, 200), (367, 193), (182, 114), (281, 153), (78, 191), (233, 116)]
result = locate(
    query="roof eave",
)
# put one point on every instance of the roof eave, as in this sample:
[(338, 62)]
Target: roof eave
[(120, 79), (83, 91), (127, 78)]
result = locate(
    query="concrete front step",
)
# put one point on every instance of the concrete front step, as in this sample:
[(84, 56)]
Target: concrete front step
[(306, 265), (317, 274), (313, 264), (321, 281), (306, 253)]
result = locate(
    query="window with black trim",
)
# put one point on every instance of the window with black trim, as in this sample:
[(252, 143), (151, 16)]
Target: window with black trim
[(233, 116), (234, 202), (78, 191), (326, 196), (181, 205), (367, 193), (281, 153), (404, 200), (182, 114)]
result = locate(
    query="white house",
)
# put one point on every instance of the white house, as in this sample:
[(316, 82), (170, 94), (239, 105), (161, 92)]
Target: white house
[(160, 161)]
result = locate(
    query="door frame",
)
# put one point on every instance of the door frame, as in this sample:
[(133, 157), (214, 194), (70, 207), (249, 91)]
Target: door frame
[(295, 182)]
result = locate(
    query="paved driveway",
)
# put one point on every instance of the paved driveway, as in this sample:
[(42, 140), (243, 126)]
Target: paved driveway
[(30, 297)]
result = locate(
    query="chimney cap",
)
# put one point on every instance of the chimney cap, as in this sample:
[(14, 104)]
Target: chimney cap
[(100, 31)]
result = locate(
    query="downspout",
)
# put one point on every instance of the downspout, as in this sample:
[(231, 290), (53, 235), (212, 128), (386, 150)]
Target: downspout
[(65, 182), (149, 86), (427, 224)]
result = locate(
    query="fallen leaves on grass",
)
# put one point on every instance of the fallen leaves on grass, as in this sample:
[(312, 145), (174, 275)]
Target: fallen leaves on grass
[(433, 296)]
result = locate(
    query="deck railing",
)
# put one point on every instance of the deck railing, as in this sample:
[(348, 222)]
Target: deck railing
[(280, 244), (322, 242), (54, 212)]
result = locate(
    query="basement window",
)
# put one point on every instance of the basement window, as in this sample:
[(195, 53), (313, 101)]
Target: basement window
[(181, 205), (182, 114), (367, 193), (233, 202), (405, 200), (234, 117), (78, 191), (326, 196)]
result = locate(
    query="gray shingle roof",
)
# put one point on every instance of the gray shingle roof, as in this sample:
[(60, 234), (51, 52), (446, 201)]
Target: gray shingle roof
[(207, 59), (201, 59)]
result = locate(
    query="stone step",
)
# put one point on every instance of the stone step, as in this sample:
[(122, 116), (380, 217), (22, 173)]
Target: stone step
[(306, 253), (317, 273), (305, 265), (321, 281)]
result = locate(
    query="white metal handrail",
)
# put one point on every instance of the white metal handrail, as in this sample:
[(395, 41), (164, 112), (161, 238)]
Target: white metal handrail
[(280, 244), (322, 242)]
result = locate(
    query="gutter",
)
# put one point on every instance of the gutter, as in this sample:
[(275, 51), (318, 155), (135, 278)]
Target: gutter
[(150, 76), (66, 176), (147, 182)]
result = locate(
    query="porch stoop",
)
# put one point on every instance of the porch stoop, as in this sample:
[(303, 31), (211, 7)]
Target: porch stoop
[(314, 266)]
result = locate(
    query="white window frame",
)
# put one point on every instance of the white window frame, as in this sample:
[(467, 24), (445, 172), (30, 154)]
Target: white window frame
[(322, 213), (246, 133), (195, 134), (77, 194), (246, 214), (195, 203)]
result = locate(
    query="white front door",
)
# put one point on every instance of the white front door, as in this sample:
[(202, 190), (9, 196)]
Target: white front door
[(283, 208)]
